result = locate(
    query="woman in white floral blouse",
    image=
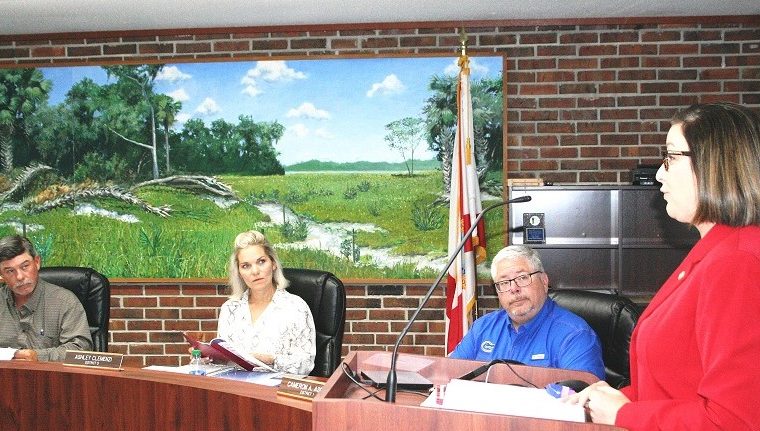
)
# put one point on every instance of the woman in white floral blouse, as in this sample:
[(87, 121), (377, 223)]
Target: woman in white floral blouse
[(261, 317)]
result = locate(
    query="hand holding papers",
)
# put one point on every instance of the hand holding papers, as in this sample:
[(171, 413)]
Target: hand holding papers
[(249, 362), (503, 399), (220, 350)]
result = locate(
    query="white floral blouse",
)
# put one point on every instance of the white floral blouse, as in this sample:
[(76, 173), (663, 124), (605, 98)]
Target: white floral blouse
[(284, 330)]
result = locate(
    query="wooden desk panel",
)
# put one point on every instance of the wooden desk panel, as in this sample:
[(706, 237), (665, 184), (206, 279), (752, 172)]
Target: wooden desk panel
[(52, 396), (340, 405)]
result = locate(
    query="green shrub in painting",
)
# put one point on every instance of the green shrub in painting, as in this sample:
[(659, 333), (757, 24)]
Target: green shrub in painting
[(93, 168), (426, 216), (295, 230)]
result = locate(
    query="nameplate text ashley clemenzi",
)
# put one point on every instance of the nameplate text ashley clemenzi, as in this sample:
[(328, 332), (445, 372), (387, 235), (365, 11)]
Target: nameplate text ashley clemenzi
[(79, 358)]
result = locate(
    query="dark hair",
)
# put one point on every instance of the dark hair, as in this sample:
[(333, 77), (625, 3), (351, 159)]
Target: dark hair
[(15, 245), (724, 139)]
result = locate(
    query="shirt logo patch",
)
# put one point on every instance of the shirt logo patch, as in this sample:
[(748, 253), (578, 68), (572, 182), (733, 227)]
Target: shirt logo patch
[(487, 346), (537, 357)]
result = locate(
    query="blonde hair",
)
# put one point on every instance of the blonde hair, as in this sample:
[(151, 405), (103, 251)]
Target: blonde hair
[(249, 239)]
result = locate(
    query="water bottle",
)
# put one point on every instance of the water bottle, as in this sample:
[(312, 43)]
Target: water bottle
[(196, 365)]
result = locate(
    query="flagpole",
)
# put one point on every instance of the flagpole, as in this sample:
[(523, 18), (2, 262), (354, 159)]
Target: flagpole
[(464, 61), (463, 42), (392, 379), (464, 67)]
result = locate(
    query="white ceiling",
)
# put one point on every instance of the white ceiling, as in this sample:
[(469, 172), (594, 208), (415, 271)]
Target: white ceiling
[(64, 16)]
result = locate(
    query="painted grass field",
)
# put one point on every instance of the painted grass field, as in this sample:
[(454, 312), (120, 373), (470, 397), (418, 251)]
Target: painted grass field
[(195, 241)]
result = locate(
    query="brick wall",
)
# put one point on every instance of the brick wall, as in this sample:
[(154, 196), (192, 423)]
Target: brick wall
[(147, 318), (584, 103)]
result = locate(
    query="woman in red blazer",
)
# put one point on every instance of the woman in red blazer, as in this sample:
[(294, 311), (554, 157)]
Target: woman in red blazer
[(695, 352)]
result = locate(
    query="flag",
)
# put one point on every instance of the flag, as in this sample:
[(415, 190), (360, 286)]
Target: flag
[(464, 207)]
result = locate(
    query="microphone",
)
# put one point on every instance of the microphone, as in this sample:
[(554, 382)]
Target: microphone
[(392, 381)]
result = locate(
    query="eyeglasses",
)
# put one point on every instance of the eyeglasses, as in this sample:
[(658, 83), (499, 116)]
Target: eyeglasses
[(521, 281), (667, 155)]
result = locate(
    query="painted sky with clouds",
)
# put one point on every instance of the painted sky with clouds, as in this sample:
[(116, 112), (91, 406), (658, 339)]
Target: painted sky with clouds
[(332, 110)]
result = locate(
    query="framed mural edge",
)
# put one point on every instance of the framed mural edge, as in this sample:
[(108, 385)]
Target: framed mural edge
[(147, 171)]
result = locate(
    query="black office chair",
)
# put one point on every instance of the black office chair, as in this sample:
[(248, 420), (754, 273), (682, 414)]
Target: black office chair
[(94, 292), (613, 318), (326, 297)]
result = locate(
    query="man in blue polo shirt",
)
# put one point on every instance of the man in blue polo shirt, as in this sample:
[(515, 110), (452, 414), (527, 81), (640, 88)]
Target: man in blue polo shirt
[(530, 327)]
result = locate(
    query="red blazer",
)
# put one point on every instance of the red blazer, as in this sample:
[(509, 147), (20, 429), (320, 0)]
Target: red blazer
[(695, 352)]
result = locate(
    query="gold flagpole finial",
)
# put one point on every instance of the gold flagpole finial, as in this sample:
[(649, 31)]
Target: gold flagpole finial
[(463, 41), (463, 62)]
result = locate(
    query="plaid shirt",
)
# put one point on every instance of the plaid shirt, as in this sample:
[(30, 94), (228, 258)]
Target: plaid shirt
[(51, 322)]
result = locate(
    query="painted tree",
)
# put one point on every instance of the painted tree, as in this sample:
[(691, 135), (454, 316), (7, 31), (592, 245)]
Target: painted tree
[(166, 113), (192, 151), (135, 82), (404, 136), (441, 116), (68, 132), (257, 153), (223, 146), (22, 93)]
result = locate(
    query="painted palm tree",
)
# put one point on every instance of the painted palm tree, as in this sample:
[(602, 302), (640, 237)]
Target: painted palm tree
[(166, 113), (22, 92), (440, 112)]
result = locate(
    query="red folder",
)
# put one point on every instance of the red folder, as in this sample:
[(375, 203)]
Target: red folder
[(223, 351)]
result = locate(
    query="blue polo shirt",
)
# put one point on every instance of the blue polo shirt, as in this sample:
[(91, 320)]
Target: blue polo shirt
[(555, 338)]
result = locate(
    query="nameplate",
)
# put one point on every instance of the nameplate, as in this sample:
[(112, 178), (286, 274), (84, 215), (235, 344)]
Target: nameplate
[(300, 387), (79, 358)]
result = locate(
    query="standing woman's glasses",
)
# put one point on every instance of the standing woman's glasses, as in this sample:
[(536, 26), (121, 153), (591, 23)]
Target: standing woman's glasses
[(667, 157)]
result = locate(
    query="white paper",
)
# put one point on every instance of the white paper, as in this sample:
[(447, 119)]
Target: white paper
[(511, 400), (6, 353), (265, 379), (225, 372), (185, 369)]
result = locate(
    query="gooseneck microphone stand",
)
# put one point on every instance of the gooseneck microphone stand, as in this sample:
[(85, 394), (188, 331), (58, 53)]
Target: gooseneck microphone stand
[(392, 381)]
